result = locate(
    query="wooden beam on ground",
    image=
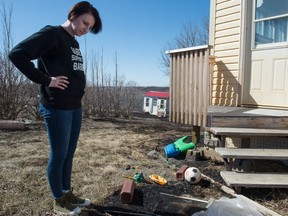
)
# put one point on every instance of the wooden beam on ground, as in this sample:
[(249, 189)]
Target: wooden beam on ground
[(11, 125)]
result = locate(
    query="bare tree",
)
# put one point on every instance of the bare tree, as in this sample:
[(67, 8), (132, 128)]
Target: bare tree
[(190, 35), (117, 90), (129, 97), (108, 95), (204, 31), (165, 60), (16, 92)]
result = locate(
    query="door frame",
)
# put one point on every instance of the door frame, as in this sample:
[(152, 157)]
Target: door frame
[(244, 75)]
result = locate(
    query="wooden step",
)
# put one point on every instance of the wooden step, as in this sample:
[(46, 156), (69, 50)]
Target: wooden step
[(275, 122), (248, 153), (259, 180), (247, 132)]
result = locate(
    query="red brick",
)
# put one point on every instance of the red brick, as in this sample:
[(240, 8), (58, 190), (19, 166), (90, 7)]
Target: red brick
[(180, 173), (127, 191)]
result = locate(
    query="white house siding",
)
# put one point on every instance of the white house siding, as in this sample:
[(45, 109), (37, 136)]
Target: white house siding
[(225, 40)]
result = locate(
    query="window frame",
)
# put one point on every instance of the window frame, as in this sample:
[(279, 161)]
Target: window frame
[(253, 38)]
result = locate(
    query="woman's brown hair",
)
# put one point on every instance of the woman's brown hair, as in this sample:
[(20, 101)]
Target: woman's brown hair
[(85, 7)]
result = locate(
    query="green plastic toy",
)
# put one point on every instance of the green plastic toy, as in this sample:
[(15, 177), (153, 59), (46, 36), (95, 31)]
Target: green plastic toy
[(138, 177), (182, 146)]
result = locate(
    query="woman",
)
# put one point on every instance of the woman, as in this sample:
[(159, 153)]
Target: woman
[(60, 72)]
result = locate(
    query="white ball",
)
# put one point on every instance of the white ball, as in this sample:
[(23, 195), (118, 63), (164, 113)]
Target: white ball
[(193, 175)]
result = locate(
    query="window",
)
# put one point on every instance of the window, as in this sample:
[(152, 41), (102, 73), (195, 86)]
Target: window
[(154, 102), (271, 21), (161, 104), (147, 102)]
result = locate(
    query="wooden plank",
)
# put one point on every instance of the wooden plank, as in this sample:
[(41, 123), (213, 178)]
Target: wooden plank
[(259, 180), (240, 120), (206, 86), (246, 132), (11, 125), (248, 153), (195, 87)]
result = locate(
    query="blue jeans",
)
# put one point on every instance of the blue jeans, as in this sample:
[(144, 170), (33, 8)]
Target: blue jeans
[(63, 127)]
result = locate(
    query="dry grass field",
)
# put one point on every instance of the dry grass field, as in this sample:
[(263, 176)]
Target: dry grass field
[(108, 152)]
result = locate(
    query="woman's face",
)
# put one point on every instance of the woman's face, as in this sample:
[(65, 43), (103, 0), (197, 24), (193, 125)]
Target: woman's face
[(82, 24)]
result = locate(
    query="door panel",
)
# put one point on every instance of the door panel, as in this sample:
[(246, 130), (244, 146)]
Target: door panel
[(269, 78)]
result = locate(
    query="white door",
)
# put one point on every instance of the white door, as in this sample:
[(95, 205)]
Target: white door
[(154, 106), (267, 83)]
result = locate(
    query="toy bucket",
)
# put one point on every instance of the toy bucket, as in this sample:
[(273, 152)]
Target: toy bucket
[(171, 151)]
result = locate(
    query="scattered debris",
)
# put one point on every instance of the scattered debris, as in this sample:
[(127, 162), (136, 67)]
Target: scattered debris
[(155, 154), (171, 205), (219, 185), (265, 211), (229, 207)]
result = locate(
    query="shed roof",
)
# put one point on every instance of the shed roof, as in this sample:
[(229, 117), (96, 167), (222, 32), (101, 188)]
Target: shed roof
[(157, 94)]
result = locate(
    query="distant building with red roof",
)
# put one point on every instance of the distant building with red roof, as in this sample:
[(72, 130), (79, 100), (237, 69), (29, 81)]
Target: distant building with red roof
[(156, 103), (157, 94)]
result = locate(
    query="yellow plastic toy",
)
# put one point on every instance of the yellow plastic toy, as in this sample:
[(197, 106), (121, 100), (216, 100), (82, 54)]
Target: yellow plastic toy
[(158, 179)]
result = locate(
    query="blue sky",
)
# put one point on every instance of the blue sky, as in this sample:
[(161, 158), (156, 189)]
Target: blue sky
[(136, 29)]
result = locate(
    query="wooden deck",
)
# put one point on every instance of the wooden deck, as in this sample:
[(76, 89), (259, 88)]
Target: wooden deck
[(245, 111)]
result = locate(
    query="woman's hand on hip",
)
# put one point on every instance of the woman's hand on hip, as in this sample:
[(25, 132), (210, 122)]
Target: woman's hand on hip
[(59, 82)]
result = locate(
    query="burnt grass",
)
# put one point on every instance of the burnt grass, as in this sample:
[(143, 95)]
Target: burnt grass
[(149, 199), (145, 133)]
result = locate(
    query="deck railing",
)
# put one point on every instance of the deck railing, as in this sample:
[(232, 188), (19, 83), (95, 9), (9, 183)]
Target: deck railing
[(190, 85)]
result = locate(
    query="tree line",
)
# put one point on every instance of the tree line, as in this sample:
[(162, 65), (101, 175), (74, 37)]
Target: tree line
[(107, 95)]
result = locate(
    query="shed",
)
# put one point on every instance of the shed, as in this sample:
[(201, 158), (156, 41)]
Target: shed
[(156, 103)]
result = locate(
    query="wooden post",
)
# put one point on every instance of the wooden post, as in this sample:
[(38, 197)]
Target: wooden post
[(195, 134)]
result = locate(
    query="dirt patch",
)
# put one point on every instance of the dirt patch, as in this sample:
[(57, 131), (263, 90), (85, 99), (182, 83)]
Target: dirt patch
[(110, 151)]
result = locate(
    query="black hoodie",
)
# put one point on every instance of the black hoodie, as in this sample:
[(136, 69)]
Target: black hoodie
[(61, 56)]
